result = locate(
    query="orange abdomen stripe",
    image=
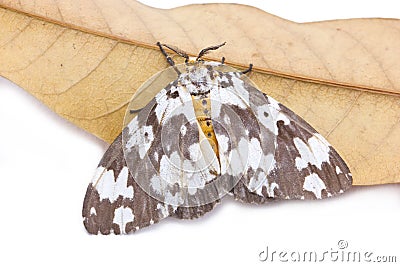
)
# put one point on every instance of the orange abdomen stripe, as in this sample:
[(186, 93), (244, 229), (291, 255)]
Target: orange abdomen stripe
[(202, 110)]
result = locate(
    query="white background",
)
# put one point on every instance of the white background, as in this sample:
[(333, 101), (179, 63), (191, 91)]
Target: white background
[(46, 164)]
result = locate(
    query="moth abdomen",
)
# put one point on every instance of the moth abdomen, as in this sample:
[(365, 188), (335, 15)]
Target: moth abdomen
[(202, 111)]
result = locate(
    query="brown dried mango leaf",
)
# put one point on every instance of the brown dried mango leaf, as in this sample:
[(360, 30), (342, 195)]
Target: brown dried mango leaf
[(85, 62)]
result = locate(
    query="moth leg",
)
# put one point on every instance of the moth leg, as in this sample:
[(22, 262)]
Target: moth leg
[(132, 111), (248, 70), (205, 50), (222, 60), (169, 59)]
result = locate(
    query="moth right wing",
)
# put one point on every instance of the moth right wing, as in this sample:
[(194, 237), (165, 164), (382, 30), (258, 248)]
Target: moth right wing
[(283, 156), (305, 165)]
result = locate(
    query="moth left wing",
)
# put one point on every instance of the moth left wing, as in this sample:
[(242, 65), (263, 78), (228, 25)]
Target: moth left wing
[(115, 203), (140, 165)]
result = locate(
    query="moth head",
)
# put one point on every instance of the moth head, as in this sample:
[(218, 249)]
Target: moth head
[(188, 59), (192, 60), (199, 76)]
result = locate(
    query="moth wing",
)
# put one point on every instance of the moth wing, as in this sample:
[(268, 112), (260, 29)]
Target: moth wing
[(284, 157), (246, 144), (114, 201), (305, 165)]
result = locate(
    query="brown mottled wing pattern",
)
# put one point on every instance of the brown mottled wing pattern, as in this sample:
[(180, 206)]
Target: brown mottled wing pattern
[(114, 201), (306, 165), (101, 214), (109, 215), (152, 171)]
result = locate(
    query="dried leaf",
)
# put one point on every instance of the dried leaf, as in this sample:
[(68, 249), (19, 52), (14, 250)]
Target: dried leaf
[(85, 62)]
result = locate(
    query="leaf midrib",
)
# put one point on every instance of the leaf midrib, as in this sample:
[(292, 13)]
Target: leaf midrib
[(263, 70)]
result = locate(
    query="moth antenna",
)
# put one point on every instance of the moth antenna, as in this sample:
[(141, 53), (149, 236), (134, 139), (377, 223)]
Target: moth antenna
[(207, 49), (169, 59), (178, 51)]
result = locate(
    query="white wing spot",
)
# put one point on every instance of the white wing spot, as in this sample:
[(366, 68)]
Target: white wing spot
[(157, 184), (162, 104), (238, 158), (93, 211), (314, 184), (255, 153), (183, 130), (163, 209), (194, 151), (236, 95), (166, 107), (227, 120), (315, 152), (141, 138), (223, 143), (122, 216), (111, 188), (276, 114), (266, 121), (270, 187), (338, 170), (228, 97), (273, 103), (169, 171), (174, 200), (283, 117)]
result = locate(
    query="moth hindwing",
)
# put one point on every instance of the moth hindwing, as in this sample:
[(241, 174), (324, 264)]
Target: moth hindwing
[(207, 133)]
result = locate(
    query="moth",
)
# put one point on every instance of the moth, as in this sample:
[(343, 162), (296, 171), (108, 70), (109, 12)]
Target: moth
[(209, 133)]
